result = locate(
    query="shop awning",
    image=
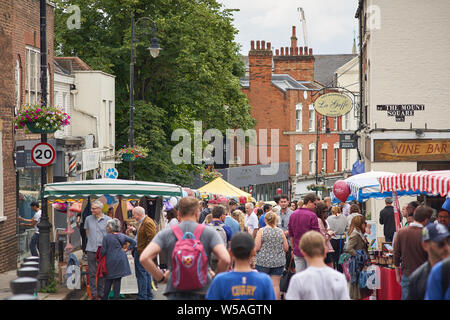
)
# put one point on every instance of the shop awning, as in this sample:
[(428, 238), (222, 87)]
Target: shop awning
[(432, 182), (221, 187), (112, 187)]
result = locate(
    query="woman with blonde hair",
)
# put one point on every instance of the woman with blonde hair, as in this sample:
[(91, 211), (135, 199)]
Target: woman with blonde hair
[(356, 241), (271, 246), (238, 215)]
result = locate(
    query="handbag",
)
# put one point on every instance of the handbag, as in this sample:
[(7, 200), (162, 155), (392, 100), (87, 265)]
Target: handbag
[(286, 277)]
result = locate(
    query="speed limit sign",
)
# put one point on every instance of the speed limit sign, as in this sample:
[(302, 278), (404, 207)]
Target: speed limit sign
[(43, 154)]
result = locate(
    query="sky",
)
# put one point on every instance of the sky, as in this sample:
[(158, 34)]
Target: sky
[(330, 24)]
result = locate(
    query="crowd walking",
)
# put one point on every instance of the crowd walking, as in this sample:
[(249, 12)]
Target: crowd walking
[(220, 250)]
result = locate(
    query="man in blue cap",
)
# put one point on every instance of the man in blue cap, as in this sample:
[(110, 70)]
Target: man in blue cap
[(435, 242), (443, 214)]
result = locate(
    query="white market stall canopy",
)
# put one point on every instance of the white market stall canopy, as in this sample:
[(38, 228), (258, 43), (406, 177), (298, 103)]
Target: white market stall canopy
[(112, 187)]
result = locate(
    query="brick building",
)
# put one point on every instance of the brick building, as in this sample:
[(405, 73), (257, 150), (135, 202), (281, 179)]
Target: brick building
[(19, 84), (281, 89)]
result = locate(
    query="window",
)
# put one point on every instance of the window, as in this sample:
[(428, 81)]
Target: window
[(298, 117), (111, 122), (17, 78), (298, 159), (311, 118), (32, 76), (324, 157), (336, 157), (346, 121), (335, 122), (312, 158)]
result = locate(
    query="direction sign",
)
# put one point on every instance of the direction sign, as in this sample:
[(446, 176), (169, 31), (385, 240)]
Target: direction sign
[(43, 154)]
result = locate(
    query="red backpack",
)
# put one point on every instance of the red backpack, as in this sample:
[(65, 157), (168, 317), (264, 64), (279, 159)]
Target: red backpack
[(189, 260)]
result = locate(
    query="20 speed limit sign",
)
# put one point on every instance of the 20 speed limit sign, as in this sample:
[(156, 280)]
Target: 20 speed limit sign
[(43, 154)]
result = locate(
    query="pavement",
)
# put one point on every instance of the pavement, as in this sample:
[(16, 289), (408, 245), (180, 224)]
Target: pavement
[(62, 293)]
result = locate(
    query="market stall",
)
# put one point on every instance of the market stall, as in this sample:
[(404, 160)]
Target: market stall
[(150, 195), (220, 187)]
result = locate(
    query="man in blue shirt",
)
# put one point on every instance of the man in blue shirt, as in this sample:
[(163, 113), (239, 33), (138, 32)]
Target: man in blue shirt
[(229, 221), (435, 289), (218, 218), (242, 283)]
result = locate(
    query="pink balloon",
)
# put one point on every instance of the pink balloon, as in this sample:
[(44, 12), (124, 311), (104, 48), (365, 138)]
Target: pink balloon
[(341, 190)]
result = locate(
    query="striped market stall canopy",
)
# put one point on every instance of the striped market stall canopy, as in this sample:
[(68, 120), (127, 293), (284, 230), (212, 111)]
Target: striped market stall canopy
[(432, 182), (112, 187)]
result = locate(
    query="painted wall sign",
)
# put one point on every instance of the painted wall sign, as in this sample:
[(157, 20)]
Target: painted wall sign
[(400, 111), (412, 150), (333, 104)]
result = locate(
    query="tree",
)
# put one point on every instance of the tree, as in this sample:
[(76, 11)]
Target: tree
[(195, 77)]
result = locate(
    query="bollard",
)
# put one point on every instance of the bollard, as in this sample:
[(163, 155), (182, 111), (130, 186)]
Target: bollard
[(30, 264), (25, 285), (31, 259), (22, 297), (28, 272)]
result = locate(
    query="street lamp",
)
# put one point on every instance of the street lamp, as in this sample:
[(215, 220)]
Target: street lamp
[(327, 131), (154, 52)]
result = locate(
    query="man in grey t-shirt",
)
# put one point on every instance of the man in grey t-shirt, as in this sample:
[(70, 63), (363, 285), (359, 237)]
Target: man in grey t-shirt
[(165, 240)]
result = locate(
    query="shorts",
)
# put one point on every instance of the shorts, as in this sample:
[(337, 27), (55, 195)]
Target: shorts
[(329, 258), (277, 271)]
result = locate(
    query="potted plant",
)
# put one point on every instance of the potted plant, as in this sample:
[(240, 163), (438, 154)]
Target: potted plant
[(41, 119), (128, 153)]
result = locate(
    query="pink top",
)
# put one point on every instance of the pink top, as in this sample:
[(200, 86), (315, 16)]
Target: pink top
[(324, 232)]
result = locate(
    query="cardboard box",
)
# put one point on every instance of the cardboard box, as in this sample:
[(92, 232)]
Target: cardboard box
[(380, 241)]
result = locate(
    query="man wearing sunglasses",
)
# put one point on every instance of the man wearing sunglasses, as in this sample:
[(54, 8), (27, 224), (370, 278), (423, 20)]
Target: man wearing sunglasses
[(435, 238)]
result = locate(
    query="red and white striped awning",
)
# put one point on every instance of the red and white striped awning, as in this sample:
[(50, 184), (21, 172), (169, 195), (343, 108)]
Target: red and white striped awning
[(433, 182)]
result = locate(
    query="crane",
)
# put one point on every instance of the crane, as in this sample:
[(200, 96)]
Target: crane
[(303, 20)]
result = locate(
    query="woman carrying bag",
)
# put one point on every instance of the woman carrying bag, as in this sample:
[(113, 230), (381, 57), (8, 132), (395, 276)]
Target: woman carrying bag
[(357, 247), (117, 264)]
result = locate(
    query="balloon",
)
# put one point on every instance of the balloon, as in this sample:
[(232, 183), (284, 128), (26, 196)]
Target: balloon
[(242, 200), (173, 201), (341, 190), (59, 206), (75, 207)]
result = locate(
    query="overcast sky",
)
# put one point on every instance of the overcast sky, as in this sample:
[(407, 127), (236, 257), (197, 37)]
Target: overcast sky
[(330, 24)]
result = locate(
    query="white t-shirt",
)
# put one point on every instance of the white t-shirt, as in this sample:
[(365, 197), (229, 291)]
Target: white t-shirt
[(37, 217), (251, 222), (318, 284)]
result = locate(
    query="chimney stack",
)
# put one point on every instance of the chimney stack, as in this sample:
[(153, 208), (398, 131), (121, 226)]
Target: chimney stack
[(293, 38)]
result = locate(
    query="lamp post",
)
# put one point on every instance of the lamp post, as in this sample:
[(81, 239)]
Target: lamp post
[(154, 52), (44, 225), (327, 130)]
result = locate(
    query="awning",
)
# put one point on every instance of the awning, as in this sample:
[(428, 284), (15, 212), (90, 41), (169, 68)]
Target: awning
[(432, 182), (112, 187)]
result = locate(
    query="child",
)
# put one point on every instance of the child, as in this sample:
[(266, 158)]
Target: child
[(318, 281), (242, 283)]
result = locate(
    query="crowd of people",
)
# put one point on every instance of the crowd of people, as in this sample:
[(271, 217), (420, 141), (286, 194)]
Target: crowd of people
[(222, 249)]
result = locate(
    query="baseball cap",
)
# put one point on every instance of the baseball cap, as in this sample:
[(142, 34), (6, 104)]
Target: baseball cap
[(388, 200), (446, 205), (435, 232), (242, 244)]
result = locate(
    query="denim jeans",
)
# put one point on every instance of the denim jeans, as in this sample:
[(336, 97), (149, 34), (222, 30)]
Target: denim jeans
[(34, 245), (144, 280), (404, 282)]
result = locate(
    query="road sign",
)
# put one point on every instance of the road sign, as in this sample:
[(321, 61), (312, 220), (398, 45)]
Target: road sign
[(43, 154)]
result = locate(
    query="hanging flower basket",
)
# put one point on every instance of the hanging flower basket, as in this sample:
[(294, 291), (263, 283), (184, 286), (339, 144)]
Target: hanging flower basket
[(132, 153), (41, 119)]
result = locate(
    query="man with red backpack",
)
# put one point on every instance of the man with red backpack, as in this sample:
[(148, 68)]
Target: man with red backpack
[(190, 245)]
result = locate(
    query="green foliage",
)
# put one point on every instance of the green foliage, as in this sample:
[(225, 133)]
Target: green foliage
[(195, 77)]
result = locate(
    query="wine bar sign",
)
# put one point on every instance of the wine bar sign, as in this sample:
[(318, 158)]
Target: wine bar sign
[(400, 111)]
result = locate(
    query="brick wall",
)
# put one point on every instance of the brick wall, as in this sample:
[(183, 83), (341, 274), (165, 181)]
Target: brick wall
[(19, 26)]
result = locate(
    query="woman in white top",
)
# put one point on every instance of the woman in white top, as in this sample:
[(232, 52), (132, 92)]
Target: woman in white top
[(172, 218)]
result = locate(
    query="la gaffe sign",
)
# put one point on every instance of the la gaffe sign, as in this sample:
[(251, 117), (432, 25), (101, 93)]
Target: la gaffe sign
[(333, 104)]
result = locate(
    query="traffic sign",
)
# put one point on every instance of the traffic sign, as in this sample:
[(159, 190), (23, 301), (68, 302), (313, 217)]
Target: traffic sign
[(43, 154)]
